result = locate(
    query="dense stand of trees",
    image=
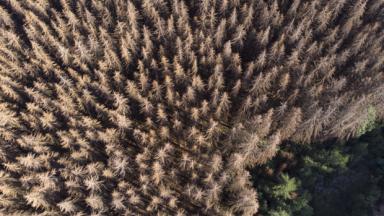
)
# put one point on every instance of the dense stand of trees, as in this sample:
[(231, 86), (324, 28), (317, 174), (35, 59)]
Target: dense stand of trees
[(157, 107), (332, 179)]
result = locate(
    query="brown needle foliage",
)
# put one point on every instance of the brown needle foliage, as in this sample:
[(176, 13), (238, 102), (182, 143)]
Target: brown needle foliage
[(129, 107)]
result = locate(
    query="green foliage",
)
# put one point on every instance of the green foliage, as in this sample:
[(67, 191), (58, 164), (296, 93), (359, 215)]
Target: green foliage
[(326, 161), (287, 194), (286, 188), (370, 123), (279, 213), (330, 179)]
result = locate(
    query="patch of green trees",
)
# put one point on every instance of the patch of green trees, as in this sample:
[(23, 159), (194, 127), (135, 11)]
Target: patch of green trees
[(326, 179)]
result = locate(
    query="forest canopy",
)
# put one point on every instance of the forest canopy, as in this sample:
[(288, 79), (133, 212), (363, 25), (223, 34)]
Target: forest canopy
[(161, 107), (330, 178)]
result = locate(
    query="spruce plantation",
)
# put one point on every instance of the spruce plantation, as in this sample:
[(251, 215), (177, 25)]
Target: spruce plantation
[(191, 107)]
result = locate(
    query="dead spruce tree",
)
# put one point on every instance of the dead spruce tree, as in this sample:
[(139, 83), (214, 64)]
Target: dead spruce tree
[(143, 107)]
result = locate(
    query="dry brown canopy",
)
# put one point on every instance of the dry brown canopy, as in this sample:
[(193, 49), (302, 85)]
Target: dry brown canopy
[(158, 107)]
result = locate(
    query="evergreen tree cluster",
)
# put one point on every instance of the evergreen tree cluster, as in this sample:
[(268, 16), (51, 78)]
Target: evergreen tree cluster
[(158, 107), (332, 179)]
